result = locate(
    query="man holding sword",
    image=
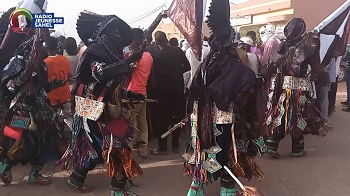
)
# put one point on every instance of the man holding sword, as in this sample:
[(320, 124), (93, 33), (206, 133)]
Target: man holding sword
[(138, 84)]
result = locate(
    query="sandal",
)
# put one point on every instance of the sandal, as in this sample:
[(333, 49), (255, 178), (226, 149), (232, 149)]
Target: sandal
[(81, 188), (157, 151)]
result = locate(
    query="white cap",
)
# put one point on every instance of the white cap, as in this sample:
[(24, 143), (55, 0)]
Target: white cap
[(247, 41), (269, 28), (55, 34)]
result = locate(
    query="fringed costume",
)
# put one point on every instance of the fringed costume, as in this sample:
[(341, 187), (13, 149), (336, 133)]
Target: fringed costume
[(101, 129), (224, 131), (290, 107)]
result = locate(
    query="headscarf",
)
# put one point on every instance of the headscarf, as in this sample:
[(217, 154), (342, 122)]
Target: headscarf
[(266, 32)]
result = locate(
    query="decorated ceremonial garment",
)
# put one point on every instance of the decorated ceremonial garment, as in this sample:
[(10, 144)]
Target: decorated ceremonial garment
[(101, 129), (291, 106), (29, 126), (224, 131)]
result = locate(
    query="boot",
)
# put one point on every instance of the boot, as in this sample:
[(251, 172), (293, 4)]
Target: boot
[(298, 147), (227, 191), (227, 184), (36, 178), (5, 172), (122, 193), (196, 189), (76, 181), (118, 184), (272, 146)]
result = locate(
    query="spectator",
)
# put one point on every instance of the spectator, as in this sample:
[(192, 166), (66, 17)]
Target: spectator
[(152, 116), (169, 67), (72, 52), (173, 42), (347, 102), (333, 77), (138, 84), (322, 89), (181, 43), (252, 35), (245, 44), (269, 47), (194, 62), (185, 46), (58, 69)]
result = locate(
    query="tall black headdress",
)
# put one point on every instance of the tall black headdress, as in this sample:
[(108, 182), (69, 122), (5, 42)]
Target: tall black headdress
[(91, 27), (4, 22), (293, 31), (219, 23)]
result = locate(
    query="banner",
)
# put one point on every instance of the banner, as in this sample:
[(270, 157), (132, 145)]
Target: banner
[(187, 15)]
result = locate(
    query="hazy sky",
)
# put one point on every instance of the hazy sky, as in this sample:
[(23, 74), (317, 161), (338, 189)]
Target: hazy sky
[(127, 10)]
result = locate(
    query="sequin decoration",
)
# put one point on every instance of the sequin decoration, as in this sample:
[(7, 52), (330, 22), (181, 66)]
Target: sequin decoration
[(88, 108), (213, 150), (211, 164), (282, 110), (241, 144), (301, 123), (187, 156), (217, 132), (192, 160), (222, 117), (260, 143), (302, 84)]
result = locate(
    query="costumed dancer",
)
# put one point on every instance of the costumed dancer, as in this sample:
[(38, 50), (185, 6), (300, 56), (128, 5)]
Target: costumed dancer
[(223, 132), (28, 125), (30, 129), (267, 52), (290, 107), (101, 130)]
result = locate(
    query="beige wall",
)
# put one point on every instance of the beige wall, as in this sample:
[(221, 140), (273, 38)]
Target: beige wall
[(171, 30), (277, 12), (255, 7), (272, 11), (315, 11)]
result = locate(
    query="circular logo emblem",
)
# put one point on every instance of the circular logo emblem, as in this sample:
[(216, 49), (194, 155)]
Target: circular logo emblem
[(21, 20)]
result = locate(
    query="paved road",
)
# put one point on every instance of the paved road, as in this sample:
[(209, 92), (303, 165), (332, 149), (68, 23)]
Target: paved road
[(323, 172)]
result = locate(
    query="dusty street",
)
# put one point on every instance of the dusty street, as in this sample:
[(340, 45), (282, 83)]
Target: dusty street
[(323, 172)]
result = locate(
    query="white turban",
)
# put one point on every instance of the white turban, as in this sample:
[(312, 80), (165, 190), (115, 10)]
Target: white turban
[(266, 32)]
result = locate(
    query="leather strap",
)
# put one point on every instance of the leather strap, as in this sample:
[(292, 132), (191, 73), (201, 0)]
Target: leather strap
[(80, 89), (102, 95), (100, 98)]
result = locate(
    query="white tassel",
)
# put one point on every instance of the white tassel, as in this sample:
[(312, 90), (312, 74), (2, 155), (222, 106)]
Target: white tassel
[(110, 148), (234, 142)]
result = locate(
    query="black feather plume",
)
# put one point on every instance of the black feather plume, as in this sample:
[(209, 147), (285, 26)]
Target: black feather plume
[(87, 25), (219, 18)]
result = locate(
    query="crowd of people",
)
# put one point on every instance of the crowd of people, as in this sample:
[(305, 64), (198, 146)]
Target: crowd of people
[(118, 89)]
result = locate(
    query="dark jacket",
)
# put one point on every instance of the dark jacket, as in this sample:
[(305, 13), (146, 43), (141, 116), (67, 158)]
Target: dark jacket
[(169, 67)]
